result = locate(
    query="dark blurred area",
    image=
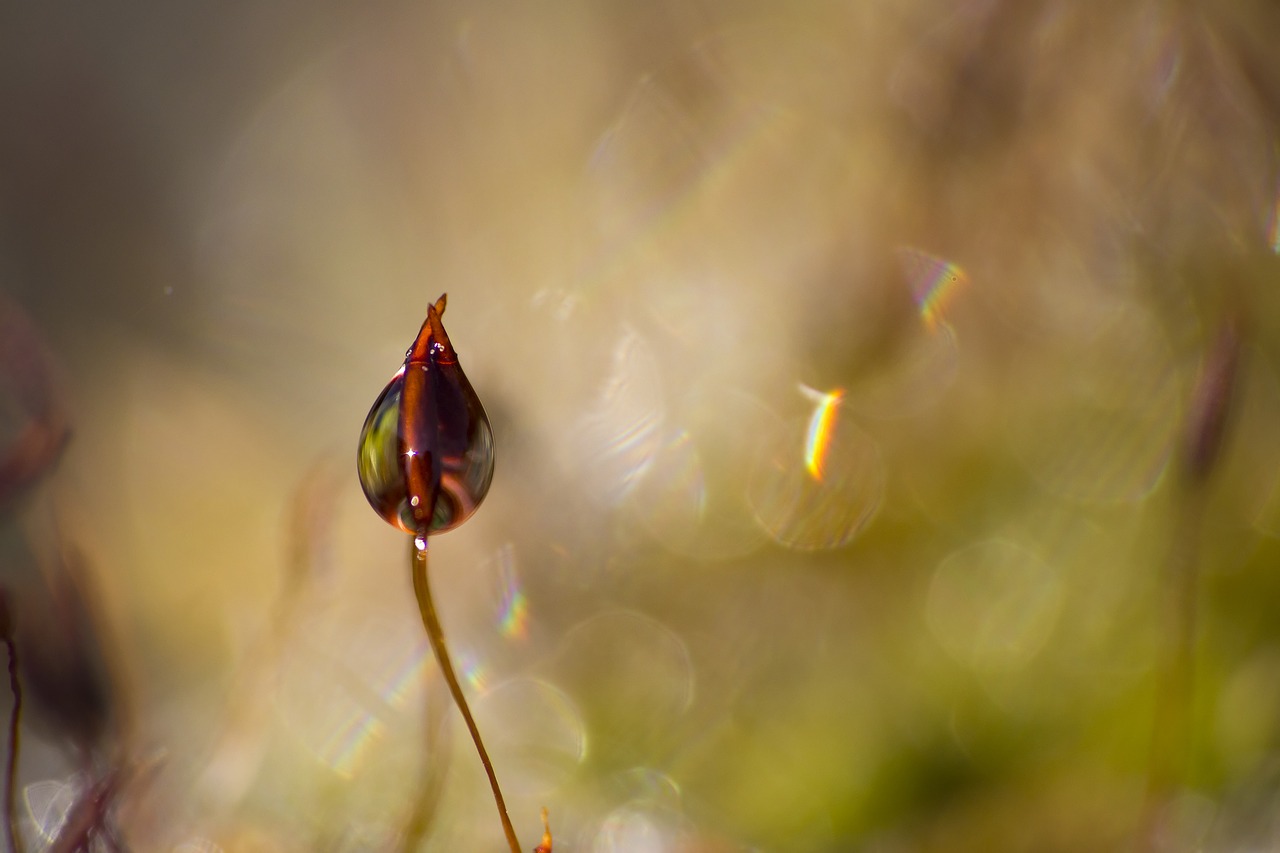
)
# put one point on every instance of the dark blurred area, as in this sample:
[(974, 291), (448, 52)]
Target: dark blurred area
[(885, 399)]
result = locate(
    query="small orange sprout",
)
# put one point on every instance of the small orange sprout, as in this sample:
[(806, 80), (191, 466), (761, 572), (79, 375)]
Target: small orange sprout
[(545, 846)]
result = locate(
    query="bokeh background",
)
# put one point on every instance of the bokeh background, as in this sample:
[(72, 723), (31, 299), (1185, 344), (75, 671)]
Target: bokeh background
[(842, 360)]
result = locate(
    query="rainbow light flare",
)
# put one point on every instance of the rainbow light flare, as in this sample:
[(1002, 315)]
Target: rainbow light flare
[(933, 281), (411, 671), (346, 746), (822, 424), (474, 673), (514, 623), (513, 612)]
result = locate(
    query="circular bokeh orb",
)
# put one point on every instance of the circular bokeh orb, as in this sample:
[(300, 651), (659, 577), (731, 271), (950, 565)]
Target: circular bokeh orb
[(1104, 434), (993, 604), (630, 673), (535, 730), (693, 499), (820, 480)]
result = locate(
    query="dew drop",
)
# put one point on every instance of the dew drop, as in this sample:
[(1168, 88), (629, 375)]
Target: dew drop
[(426, 449)]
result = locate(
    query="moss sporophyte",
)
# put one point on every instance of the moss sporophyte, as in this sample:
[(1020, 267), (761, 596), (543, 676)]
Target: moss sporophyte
[(425, 461)]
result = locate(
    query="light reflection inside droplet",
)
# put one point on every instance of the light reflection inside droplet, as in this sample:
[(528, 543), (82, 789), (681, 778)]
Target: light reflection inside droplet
[(48, 803)]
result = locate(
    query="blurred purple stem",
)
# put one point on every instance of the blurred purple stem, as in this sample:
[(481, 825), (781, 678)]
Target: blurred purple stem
[(15, 715), (1172, 729)]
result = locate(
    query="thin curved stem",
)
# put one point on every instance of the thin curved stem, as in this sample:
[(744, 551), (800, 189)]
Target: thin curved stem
[(435, 634)]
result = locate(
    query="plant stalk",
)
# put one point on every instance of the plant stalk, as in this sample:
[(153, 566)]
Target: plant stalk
[(435, 634)]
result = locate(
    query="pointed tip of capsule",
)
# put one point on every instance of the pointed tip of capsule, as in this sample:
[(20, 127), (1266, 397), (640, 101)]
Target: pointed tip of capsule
[(433, 336)]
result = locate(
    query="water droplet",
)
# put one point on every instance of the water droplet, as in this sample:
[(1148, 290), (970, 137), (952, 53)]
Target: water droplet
[(426, 450)]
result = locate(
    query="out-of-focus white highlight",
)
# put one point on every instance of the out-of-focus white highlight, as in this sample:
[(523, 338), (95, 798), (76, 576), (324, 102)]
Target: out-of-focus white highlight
[(48, 804)]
